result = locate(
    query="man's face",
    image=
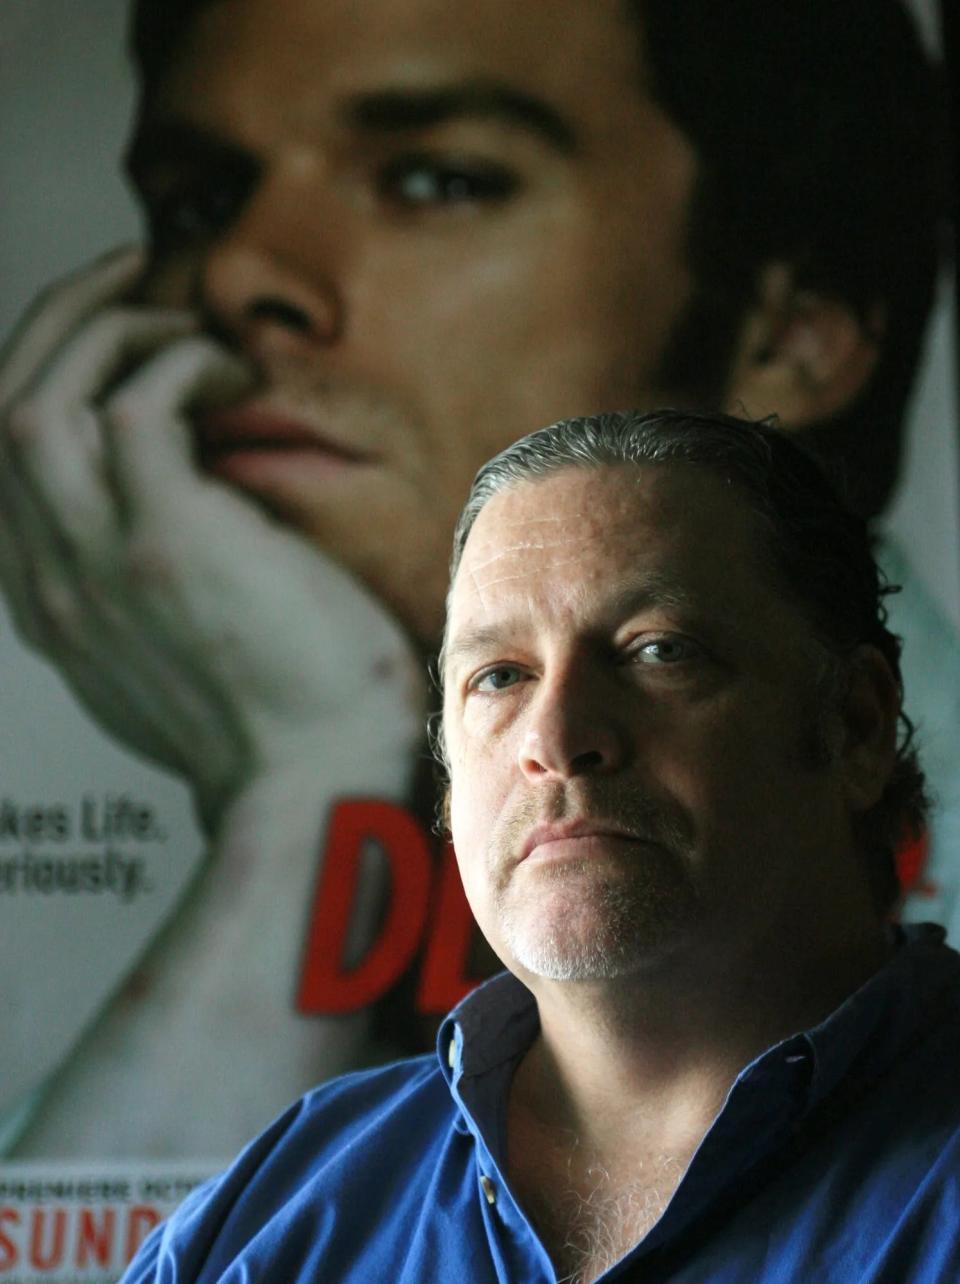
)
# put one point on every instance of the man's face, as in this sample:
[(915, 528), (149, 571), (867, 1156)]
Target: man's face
[(634, 728), (429, 225)]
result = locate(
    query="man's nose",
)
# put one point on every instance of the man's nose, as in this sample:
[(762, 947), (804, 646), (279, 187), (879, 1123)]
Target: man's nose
[(574, 726), (269, 281)]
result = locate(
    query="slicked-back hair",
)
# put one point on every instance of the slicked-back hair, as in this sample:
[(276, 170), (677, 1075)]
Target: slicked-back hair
[(819, 133), (817, 550)]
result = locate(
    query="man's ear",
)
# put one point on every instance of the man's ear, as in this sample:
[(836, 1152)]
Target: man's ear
[(869, 714), (802, 356)]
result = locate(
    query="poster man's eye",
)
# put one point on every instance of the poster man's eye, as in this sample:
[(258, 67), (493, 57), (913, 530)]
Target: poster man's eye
[(187, 206), (418, 181)]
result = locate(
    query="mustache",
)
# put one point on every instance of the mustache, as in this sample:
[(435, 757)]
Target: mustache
[(658, 821)]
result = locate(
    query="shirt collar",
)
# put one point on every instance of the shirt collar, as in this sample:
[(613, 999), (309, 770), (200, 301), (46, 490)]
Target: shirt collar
[(891, 1010), (497, 1022)]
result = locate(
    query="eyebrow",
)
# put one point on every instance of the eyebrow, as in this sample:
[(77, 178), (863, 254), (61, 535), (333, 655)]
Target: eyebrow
[(474, 640), (388, 111), (400, 110), (655, 591)]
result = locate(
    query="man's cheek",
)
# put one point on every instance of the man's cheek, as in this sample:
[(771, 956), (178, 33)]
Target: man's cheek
[(471, 822), (461, 820)]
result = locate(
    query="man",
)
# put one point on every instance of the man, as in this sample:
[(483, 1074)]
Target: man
[(670, 716), (378, 250)]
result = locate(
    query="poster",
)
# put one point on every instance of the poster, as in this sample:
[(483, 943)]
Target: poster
[(163, 1001), (66, 1223)]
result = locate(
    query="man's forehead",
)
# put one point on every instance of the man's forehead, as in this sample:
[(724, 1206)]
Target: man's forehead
[(575, 507), (408, 20), (399, 45), (671, 526), (588, 548)]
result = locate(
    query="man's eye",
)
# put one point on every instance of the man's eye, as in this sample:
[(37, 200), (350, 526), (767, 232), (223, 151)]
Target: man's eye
[(497, 678), (418, 181), (194, 211), (175, 220), (665, 650)]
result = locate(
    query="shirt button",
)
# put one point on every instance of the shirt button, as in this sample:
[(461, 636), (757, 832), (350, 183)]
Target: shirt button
[(452, 1054), (489, 1190)]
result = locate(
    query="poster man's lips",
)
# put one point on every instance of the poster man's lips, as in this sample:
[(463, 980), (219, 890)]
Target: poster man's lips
[(262, 429)]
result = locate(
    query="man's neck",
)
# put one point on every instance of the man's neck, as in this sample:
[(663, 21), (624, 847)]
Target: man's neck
[(627, 1076), (681, 1030)]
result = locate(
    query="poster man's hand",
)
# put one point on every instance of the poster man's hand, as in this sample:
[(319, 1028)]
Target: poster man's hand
[(195, 627)]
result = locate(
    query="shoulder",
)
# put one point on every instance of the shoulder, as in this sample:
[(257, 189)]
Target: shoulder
[(379, 1127)]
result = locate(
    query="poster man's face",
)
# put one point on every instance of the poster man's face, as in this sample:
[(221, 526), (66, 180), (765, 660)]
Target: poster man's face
[(431, 226)]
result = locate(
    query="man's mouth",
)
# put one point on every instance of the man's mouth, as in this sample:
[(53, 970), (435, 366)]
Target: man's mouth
[(579, 838), (230, 441)]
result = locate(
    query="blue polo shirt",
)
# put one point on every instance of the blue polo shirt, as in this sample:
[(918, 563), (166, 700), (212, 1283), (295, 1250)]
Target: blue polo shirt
[(835, 1158)]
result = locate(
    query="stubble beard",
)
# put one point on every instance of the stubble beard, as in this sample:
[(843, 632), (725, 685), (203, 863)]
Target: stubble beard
[(578, 921), (579, 925)]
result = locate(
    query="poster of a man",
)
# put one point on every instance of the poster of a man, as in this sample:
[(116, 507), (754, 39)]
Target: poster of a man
[(382, 242), (676, 787)]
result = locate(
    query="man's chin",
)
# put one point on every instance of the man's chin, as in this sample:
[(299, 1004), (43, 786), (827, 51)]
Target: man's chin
[(550, 960), (593, 961), (584, 942)]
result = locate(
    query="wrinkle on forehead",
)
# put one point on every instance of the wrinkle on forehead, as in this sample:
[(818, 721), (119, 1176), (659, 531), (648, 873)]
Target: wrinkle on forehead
[(508, 564), (481, 588), (514, 526), (524, 546), (505, 525)]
